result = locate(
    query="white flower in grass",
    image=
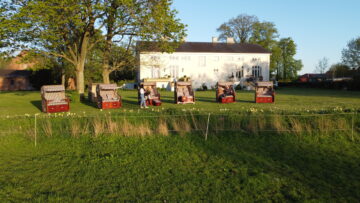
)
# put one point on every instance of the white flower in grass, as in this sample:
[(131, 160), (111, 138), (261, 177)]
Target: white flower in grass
[(253, 110), (101, 110)]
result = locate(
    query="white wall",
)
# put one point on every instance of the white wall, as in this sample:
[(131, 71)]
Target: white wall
[(201, 67)]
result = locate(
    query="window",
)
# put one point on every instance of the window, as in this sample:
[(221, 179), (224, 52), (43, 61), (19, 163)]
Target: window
[(174, 58), (256, 59), (240, 72), (186, 58), (174, 71), (202, 61), (155, 72), (155, 58), (256, 71)]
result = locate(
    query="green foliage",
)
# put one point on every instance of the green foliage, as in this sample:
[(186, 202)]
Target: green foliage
[(351, 54), (339, 70), (289, 66), (264, 34)]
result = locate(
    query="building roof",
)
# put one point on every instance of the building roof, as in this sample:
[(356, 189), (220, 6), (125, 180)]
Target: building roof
[(312, 75), (207, 47), (14, 73)]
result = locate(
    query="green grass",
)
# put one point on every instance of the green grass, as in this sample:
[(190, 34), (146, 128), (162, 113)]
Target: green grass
[(226, 167), (288, 100), (254, 152)]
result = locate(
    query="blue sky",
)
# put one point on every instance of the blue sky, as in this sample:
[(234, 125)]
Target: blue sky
[(320, 28)]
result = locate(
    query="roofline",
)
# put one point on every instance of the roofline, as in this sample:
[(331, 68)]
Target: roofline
[(204, 52)]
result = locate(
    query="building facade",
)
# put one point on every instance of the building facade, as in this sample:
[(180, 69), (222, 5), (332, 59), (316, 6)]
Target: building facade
[(205, 63)]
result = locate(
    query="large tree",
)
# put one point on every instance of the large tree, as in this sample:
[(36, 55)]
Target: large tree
[(126, 20), (240, 28), (65, 29), (351, 54)]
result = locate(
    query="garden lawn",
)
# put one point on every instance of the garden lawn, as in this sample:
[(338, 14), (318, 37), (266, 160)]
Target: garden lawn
[(287, 100)]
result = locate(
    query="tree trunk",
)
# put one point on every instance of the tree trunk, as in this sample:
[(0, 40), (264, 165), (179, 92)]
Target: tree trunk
[(63, 78), (106, 60), (80, 80), (80, 65), (106, 74)]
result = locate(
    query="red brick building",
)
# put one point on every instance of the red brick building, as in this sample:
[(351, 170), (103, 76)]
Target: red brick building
[(15, 75)]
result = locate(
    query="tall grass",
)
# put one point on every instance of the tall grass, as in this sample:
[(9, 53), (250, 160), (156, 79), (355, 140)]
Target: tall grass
[(321, 125)]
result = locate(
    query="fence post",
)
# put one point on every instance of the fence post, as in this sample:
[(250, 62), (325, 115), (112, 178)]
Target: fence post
[(35, 130), (207, 127), (352, 127)]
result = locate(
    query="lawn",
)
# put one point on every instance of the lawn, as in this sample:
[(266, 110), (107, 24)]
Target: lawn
[(287, 100), (305, 147)]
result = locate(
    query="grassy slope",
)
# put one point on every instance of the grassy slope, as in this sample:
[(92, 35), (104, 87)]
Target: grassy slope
[(14, 103)]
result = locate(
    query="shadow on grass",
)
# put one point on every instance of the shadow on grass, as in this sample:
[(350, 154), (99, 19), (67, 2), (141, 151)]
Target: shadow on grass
[(298, 91), (37, 104), (308, 169), (205, 99), (132, 101), (88, 103), (167, 99), (245, 101)]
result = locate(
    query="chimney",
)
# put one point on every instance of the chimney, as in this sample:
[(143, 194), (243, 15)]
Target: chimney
[(214, 40), (230, 40)]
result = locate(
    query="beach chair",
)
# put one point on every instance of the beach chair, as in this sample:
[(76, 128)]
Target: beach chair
[(225, 92), (107, 96), (184, 94), (152, 96), (54, 99), (264, 92)]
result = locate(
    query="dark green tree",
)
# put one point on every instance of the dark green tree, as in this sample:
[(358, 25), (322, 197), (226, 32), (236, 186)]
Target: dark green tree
[(339, 70), (289, 66), (351, 54), (266, 35)]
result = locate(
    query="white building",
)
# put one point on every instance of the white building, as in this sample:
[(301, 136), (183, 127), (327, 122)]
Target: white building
[(205, 63)]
